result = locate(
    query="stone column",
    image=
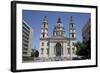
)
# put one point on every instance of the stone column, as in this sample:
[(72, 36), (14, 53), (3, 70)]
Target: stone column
[(64, 50), (51, 50), (70, 50)]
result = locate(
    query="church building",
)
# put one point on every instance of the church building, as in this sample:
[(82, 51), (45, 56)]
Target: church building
[(58, 45)]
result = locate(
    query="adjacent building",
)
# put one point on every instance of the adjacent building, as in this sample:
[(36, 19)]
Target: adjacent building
[(58, 45), (86, 31), (26, 40)]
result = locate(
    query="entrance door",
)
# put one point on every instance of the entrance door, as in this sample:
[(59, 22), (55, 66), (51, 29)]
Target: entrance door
[(58, 49)]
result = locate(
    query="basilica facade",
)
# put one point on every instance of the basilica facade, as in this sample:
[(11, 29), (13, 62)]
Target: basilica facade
[(58, 45)]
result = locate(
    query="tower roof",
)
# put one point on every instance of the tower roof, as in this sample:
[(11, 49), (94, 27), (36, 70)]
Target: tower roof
[(59, 28), (45, 19), (71, 19), (59, 23), (59, 20)]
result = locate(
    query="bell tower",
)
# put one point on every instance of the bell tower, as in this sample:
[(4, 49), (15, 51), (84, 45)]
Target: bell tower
[(44, 28), (72, 37), (43, 52), (72, 32)]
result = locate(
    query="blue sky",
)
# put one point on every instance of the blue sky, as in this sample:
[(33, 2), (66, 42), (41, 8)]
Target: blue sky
[(34, 19)]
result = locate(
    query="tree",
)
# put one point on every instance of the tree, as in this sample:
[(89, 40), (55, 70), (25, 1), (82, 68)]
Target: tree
[(34, 53), (83, 49)]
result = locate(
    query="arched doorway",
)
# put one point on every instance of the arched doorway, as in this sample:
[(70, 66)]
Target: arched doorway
[(58, 49)]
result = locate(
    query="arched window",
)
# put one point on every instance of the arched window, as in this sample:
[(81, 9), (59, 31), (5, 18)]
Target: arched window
[(43, 35), (58, 49), (72, 25), (44, 25), (72, 35), (68, 50)]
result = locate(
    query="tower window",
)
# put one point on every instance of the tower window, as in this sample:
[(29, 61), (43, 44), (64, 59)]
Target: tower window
[(42, 43), (43, 35), (72, 35), (42, 49), (44, 25), (72, 25)]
